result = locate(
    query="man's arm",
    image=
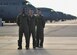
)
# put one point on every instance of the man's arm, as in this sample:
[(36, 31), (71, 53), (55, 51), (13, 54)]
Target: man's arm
[(43, 21), (18, 20)]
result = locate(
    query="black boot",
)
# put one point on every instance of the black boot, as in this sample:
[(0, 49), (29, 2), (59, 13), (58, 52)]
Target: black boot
[(19, 48), (34, 47), (27, 48), (19, 45), (41, 46)]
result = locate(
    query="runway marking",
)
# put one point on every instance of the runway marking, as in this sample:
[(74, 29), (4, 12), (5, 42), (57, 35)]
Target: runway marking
[(63, 24)]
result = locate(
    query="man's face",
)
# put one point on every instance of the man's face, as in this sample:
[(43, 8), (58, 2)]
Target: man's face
[(38, 12), (31, 12)]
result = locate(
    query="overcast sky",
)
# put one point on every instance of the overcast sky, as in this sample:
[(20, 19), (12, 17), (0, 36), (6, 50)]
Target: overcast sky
[(66, 6)]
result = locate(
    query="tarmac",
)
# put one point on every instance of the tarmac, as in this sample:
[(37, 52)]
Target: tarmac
[(52, 46), (60, 39)]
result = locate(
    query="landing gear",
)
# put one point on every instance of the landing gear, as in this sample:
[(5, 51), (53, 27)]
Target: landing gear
[(2, 24)]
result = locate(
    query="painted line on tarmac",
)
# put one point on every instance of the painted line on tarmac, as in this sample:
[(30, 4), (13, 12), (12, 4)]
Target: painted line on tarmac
[(63, 24)]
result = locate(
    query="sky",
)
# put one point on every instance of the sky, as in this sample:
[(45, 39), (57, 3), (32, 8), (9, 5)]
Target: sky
[(65, 6)]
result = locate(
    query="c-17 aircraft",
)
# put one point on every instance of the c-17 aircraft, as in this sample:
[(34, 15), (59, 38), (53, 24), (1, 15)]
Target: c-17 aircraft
[(51, 15), (9, 9)]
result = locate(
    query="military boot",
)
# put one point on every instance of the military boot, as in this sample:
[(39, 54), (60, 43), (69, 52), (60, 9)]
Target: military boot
[(19, 45)]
